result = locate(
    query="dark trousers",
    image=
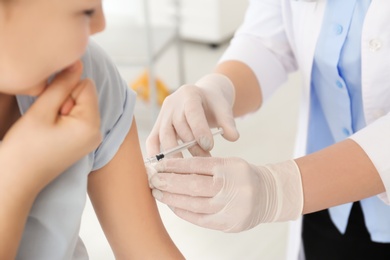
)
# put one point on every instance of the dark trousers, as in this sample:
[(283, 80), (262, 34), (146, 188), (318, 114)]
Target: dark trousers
[(322, 240)]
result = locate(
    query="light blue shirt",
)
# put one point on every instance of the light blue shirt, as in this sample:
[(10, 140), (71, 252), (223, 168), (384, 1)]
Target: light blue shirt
[(52, 228), (336, 109)]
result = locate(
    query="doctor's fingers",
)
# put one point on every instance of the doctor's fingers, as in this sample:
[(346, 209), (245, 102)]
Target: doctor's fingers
[(175, 130), (186, 184), (197, 121), (177, 126), (187, 104), (163, 134), (201, 205), (195, 165), (153, 141), (161, 131), (214, 221), (225, 120), (185, 134)]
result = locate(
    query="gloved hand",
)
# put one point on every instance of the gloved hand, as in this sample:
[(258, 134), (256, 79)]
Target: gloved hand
[(191, 111), (230, 195)]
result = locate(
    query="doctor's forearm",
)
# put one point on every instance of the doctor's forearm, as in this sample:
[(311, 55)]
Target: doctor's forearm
[(336, 175), (248, 96)]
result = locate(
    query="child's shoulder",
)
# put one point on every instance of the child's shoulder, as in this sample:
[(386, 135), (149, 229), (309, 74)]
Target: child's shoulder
[(116, 99), (100, 68), (97, 63)]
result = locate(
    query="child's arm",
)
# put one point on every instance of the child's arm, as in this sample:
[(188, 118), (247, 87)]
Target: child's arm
[(125, 207)]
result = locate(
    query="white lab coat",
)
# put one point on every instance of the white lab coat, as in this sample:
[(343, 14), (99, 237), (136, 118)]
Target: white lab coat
[(280, 36)]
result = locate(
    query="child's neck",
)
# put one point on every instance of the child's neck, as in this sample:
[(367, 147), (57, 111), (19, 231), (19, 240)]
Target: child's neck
[(9, 113)]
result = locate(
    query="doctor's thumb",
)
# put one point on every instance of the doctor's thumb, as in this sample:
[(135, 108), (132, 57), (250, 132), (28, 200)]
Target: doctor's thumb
[(230, 131)]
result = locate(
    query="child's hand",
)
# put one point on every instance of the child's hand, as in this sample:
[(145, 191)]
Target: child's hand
[(45, 141)]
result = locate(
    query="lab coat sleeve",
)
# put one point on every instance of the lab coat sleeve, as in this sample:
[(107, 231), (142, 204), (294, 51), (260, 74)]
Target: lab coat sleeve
[(261, 43), (375, 141)]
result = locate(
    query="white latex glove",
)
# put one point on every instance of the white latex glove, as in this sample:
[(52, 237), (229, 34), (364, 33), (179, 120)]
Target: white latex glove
[(230, 195), (191, 111)]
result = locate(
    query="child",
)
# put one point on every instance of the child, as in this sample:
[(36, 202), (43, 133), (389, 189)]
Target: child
[(67, 127)]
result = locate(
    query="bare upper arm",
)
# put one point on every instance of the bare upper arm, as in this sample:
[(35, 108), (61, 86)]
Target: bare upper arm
[(125, 208)]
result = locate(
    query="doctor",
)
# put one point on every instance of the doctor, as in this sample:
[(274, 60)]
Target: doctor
[(342, 49)]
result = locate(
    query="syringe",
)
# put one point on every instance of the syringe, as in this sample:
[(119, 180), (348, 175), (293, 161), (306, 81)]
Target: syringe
[(177, 149)]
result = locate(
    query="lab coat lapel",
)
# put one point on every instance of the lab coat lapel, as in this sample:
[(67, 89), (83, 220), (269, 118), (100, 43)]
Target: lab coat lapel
[(306, 20)]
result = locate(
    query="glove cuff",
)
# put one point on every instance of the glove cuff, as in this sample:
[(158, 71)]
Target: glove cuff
[(288, 190), (220, 82)]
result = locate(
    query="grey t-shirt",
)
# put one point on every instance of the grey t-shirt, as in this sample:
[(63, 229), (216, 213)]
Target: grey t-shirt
[(52, 229)]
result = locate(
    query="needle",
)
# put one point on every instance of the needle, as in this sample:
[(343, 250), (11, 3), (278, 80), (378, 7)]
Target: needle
[(177, 149)]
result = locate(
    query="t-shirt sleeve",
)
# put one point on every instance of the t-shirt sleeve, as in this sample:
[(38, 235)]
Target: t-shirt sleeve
[(116, 102)]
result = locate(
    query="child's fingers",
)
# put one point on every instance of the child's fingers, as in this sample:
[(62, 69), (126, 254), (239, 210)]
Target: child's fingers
[(86, 111), (50, 102), (67, 106), (85, 100)]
